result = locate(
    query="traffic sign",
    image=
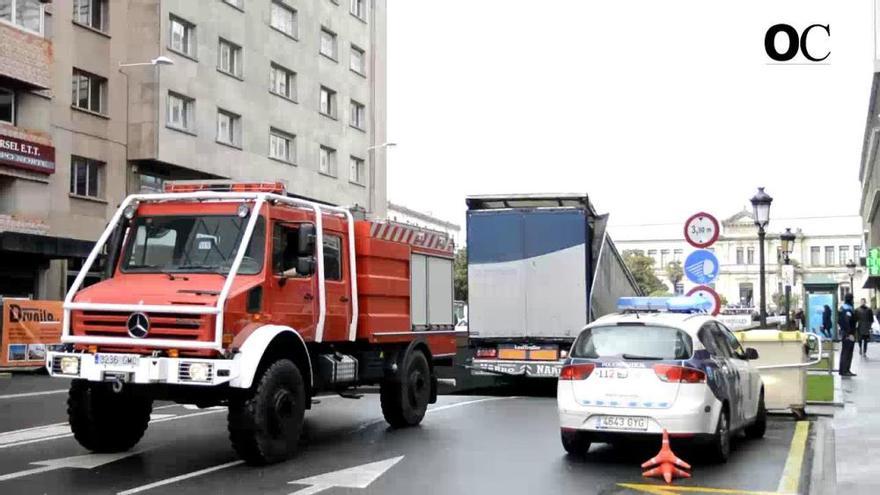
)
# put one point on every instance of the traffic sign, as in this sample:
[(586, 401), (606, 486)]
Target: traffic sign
[(701, 267), (701, 230), (709, 293)]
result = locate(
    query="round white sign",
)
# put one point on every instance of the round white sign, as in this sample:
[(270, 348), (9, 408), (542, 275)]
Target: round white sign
[(701, 230)]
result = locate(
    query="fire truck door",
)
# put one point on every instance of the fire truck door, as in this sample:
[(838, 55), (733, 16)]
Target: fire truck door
[(336, 277), (293, 300)]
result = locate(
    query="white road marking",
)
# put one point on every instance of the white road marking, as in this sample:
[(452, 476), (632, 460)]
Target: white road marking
[(88, 461), (182, 477), (354, 477), (368, 424), (33, 394)]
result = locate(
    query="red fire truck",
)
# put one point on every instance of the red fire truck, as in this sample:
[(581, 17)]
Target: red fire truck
[(219, 293)]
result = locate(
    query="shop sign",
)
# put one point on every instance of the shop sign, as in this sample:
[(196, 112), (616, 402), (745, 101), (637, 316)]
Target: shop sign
[(27, 155), (29, 329)]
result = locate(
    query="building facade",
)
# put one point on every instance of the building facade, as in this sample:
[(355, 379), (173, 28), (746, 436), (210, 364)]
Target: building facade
[(869, 168), (285, 90), (822, 249), (402, 214)]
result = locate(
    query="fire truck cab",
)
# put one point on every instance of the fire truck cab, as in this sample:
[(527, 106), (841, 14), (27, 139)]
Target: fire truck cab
[(236, 294)]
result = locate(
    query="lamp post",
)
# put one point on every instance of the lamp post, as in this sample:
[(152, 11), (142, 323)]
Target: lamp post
[(851, 267), (787, 241), (157, 63), (372, 151), (761, 207)]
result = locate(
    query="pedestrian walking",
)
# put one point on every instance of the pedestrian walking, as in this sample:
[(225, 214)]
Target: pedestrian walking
[(801, 319), (846, 325), (827, 328), (864, 320)]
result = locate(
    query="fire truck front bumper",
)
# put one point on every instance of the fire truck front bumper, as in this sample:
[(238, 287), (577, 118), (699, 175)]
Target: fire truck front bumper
[(133, 368)]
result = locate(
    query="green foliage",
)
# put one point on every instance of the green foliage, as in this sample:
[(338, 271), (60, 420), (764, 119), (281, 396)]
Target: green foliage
[(723, 299), (642, 268), (460, 286)]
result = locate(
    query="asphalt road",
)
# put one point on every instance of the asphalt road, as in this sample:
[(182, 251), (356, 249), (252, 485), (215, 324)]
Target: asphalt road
[(466, 444)]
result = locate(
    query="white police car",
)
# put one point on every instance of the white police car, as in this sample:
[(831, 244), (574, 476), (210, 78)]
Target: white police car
[(660, 363)]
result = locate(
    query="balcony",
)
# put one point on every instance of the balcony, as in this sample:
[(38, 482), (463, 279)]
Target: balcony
[(25, 58)]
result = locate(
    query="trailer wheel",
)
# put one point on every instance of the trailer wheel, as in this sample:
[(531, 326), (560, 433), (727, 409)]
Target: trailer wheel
[(405, 396), (265, 424), (104, 421)]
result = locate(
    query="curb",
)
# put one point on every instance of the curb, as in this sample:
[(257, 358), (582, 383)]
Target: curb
[(823, 469)]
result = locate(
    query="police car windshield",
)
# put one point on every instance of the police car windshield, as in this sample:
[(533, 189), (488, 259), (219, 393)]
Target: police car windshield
[(192, 244), (633, 342)]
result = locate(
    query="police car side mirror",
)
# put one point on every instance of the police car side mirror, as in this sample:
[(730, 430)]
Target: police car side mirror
[(305, 265), (751, 353)]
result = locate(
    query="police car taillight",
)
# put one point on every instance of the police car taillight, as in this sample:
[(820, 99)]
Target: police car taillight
[(679, 374), (487, 352), (576, 371)]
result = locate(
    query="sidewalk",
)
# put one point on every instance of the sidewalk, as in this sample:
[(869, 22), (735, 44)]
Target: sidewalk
[(857, 427)]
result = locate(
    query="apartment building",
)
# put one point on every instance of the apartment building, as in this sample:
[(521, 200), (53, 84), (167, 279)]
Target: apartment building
[(103, 98)]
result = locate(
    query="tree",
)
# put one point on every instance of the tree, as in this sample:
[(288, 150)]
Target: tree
[(460, 277), (642, 268), (674, 272), (723, 300)]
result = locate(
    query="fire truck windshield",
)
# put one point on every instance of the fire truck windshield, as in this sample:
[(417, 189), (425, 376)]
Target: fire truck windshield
[(192, 244)]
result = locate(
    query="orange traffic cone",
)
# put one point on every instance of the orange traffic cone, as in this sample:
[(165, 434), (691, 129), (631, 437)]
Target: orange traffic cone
[(665, 464)]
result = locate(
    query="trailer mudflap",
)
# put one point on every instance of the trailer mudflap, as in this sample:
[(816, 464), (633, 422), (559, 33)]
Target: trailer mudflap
[(538, 369)]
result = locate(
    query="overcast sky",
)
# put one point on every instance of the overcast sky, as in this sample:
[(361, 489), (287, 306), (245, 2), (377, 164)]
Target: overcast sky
[(655, 108)]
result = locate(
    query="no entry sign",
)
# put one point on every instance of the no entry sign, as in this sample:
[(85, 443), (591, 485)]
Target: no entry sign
[(709, 293), (701, 230)]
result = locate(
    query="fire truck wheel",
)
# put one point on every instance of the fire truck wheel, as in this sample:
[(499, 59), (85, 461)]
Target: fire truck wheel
[(104, 421), (265, 424), (405, 397)]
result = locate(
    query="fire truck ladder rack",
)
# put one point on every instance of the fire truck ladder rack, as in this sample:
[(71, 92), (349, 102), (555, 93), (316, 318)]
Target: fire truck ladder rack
[(259, 200)]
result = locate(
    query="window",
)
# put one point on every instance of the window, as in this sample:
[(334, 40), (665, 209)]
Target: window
[(7, 106), (180, 111), (750, 256), (228, 128), (27, 14), (652, 253), (183, 37), (359, 8), (664, 257), (88, 91), (649, 341), (229, 58), (327, 163), (357, 62), (857, 253), (91, 13), (328, 43), (332, 257), (829, 255), (281, 146), (746, 293), (282, 82), (357, 115), (677, 255), (284, 255), (283, 19), (739, 256), (85, 176), (356, 170), (814, 255), (150, 183), (844, 255), (328, 102)]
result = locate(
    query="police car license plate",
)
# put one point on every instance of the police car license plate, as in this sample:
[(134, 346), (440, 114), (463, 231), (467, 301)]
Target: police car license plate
[(117, 360), (629, 423)]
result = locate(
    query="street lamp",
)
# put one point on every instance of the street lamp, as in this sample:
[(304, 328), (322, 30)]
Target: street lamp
[(761, 206), (851, 267), (787, 240), (372, 194)]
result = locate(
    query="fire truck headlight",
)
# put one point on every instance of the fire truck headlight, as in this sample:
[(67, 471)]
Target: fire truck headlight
[(200, 372), (69, 365)]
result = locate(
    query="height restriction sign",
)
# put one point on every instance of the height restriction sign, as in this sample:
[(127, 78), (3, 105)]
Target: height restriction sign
[(701, 230)]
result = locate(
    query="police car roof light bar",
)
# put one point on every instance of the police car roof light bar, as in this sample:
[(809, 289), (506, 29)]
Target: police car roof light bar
[(670, 304)]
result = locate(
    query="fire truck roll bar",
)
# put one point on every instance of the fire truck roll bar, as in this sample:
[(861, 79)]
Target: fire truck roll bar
[(259, 200)]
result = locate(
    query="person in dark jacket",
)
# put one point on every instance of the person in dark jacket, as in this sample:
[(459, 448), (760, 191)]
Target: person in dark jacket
[(846, 325), (827, 328), (864, 320)]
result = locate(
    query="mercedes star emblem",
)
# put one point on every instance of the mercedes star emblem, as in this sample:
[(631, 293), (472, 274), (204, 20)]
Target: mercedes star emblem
[(138, 325)]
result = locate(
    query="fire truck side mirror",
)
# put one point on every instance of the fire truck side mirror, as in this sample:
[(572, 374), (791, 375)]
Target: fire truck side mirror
[(305, 265), (305, 240)]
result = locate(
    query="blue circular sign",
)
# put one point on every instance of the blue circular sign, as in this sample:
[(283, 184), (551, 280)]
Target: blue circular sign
[(701, 267)]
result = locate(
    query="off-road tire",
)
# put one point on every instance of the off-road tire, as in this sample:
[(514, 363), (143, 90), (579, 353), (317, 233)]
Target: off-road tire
[(575, 442), (405, 397), (759, 426), (719, 446), (104, 421), (266, 422)]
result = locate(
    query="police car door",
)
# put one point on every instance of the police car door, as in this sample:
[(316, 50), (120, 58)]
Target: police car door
[(737, 381), (719, 370), (748, 376)]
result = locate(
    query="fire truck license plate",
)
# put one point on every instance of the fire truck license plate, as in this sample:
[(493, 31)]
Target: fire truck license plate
[(633, 423), (117, 360)]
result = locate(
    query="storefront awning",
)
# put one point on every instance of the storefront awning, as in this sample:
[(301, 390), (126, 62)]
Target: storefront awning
[(872, 282), (50, 247)]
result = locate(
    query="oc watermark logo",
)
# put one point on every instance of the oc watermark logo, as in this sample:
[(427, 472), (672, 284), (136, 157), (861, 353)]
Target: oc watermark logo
[(798, 43)]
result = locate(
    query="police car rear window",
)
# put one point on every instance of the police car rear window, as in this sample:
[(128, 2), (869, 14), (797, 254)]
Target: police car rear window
[(633, 342)]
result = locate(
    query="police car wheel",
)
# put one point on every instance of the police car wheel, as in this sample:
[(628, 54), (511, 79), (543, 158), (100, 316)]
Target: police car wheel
[(759, 427), (405, 397), (719, 448), (266, 422), (575, 442), (105, 421)]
